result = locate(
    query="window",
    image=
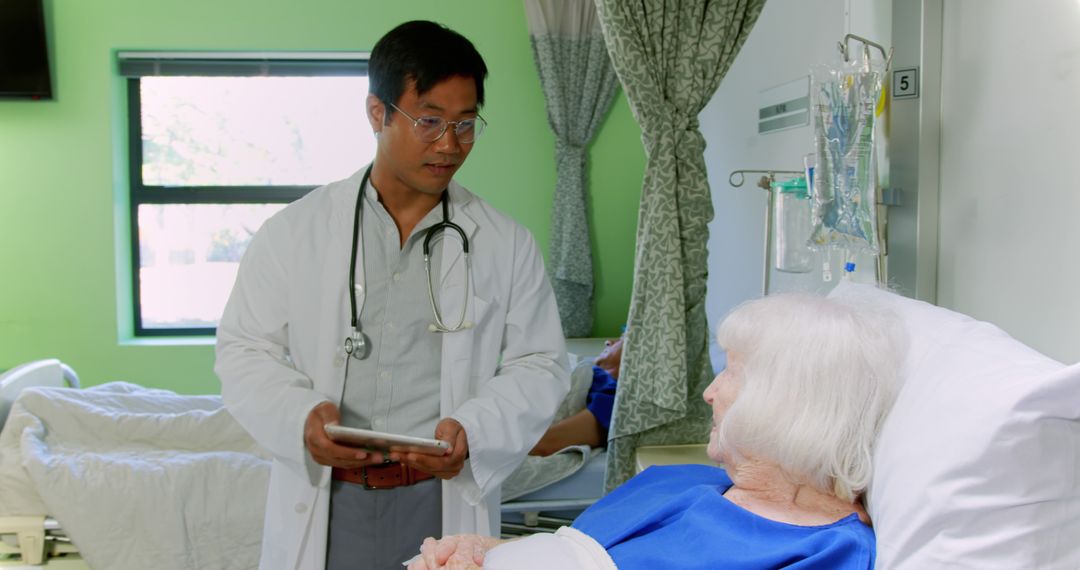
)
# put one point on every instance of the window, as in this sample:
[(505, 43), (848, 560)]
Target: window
[(217, 144)]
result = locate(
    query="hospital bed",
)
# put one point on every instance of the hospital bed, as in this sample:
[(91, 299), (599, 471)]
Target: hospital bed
[(977, 466), (559, 503), (978, 463), (548, 492), (35, 539), (120, 476)]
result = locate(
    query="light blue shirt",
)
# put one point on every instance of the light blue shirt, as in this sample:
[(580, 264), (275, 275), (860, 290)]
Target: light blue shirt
[(396, 388)]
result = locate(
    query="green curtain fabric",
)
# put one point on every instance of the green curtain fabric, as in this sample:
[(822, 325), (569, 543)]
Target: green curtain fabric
[(579, 86), (670, 56)]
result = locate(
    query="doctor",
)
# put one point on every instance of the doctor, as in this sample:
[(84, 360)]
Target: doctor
[(471, 353)]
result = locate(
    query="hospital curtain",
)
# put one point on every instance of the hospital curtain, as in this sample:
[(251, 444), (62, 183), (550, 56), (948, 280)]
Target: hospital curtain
[(579, 86), (670, 56)]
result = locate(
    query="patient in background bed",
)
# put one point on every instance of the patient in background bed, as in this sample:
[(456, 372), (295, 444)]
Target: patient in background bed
[(795, 416), (590, 425)]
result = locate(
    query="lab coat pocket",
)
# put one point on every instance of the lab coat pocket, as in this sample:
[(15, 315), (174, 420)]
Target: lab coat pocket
[(476, 349), (488, 323), (482, 314)]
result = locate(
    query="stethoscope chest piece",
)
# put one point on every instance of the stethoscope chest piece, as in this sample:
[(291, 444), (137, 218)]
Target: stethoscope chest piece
[(356, 345)]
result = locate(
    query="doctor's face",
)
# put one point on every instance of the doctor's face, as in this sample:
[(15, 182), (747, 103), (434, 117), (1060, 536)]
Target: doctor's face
[(404, 162), (721, 395)]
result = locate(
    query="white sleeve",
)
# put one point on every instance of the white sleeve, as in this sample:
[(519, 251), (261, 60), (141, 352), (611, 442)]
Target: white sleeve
[(568, 549), (260, 386), (509, 411)]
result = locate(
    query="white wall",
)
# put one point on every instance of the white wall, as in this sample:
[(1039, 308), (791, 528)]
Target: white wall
[(789, 37), (1010, 120), (1010, 187)]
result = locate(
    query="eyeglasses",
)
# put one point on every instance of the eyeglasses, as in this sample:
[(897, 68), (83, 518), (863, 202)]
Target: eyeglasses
[(430, 128)]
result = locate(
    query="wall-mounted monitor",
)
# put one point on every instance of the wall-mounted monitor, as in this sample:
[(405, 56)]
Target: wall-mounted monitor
[(24, 51)]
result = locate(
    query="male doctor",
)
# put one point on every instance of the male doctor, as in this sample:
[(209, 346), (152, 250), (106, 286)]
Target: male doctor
[(489, 389)]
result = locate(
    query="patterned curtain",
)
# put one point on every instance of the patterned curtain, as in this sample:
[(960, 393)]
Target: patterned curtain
[(579, 85), (670, 56)]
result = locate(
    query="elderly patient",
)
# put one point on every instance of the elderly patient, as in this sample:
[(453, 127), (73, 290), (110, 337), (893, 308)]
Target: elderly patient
[(808, 384)]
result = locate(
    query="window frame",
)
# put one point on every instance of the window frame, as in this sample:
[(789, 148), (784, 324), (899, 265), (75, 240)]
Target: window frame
[(136, 65)]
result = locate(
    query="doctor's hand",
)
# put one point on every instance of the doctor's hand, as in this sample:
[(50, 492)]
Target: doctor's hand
[(324, 450), (442, 466)]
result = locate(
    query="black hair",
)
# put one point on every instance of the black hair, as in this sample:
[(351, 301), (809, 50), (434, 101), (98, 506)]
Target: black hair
[(423, 52)]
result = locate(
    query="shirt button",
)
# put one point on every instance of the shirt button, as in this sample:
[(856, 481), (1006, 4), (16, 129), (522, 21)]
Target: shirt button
[(338, 361), (300, 508), (384, 375), (397, 277), (359, 289)]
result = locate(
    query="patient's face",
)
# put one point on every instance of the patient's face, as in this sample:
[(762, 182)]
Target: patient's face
[(611, 357), (721, 395)]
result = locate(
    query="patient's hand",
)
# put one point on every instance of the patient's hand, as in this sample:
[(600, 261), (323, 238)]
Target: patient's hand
[(455, 552)]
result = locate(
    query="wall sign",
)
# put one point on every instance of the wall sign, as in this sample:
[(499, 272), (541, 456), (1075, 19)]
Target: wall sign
[(784, 106), (905, 83)]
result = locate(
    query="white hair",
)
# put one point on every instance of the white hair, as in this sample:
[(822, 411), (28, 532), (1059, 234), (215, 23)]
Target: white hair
[(818, 379)]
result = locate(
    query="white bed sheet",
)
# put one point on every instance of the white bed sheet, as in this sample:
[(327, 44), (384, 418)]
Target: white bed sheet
[(138, 478)]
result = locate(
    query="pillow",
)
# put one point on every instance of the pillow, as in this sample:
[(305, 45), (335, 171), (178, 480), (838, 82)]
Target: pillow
[(976, 465)]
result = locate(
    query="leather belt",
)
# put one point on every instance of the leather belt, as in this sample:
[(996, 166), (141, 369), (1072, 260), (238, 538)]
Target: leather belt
[(382, 476)]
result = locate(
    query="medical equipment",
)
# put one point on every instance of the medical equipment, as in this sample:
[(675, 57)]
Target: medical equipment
[(846, 98), (765, 183), (791, 208), (356, 344)]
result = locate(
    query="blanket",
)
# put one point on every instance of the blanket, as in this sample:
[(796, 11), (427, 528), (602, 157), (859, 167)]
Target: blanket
[(138, 478), (537, 472)]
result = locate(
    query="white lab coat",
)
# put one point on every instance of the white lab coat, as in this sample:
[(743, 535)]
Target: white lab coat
[(280, 353)]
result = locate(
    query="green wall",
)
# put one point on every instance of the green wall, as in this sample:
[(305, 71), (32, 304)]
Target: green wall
[(63, 217)]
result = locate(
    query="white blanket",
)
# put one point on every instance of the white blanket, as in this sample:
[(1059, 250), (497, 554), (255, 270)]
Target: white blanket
[(537, 472), (138, 478)]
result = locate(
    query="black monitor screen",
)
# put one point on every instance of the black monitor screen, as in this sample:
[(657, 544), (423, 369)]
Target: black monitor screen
[(24, 55)]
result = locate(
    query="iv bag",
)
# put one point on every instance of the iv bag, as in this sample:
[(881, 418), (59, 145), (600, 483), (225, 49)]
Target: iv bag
[(843, 208)]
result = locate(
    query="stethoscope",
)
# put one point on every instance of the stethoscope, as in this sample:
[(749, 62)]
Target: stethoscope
[(355, 344)]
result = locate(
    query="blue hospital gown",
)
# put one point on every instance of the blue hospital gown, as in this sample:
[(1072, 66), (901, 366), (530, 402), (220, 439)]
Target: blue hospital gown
[(676, 517), (601, 397)]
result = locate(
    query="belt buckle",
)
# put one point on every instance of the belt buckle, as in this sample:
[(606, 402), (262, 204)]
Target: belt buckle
[(363, 478)]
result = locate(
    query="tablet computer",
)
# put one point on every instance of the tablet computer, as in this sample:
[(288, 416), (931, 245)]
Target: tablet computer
[(382, 441)]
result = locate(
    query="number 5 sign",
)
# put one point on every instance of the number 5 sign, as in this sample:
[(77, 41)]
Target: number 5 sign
[(905, 83)]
